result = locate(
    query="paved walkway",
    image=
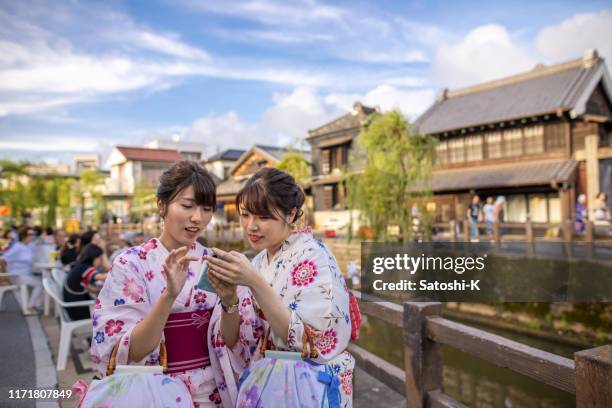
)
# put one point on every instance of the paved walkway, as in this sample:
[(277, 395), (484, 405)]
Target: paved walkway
[(29, 349)]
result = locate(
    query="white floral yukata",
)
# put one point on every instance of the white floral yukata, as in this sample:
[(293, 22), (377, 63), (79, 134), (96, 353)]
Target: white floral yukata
[(307, 277), (132, 288)]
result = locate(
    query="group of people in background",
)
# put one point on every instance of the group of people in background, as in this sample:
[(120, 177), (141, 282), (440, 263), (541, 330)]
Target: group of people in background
[(83, 256), (489, 213)]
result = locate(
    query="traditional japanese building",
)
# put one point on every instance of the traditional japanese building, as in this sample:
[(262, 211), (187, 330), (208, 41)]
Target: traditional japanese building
[(248, 163), (331, 145), (539, 138)]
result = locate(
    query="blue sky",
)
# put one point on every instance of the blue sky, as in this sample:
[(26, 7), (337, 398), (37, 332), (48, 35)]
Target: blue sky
[(85, 76)]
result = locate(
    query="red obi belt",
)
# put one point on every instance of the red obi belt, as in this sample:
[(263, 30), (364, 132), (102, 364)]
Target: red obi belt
[(186, 341)]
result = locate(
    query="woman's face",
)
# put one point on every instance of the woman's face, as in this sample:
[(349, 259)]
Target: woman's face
[(265, 232), (29, 237), (184, 220)]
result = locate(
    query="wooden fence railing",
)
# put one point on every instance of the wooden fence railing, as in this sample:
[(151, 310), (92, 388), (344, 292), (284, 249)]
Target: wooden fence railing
[(228, 232), (588, 376)]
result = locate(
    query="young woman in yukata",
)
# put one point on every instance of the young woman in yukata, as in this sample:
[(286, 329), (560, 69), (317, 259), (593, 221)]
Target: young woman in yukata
[(294, 281), (151, 294)]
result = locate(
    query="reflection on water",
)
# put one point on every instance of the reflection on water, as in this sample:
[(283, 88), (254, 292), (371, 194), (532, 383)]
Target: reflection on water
[(468, 379)]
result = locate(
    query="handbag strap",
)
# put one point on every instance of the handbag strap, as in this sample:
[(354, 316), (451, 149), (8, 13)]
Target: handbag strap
[(112, 361), (307, 342)]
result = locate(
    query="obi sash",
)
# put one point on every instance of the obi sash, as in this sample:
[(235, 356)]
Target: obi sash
[(186, 340)]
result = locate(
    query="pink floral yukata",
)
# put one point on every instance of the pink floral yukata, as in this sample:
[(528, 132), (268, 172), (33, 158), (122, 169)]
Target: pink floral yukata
[(307, 277), (133, 286)]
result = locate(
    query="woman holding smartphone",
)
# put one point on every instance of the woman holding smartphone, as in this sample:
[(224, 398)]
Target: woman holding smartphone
[(151, 295), (295, 281)]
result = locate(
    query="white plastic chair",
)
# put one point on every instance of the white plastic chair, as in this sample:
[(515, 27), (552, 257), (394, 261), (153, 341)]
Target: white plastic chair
[(67, 325), (59, 277), (22, 297)]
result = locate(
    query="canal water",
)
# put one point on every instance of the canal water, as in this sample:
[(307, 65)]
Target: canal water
[(470, 380)]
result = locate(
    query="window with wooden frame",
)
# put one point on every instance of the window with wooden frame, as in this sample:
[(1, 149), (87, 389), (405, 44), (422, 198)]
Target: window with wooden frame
[(325, 161), (442, 152), (554, 137), (494, 145), (513, 142), (534, 139), (456, 150), (473, 148)]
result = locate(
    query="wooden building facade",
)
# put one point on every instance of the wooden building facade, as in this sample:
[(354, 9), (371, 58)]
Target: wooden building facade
[(538, 138)]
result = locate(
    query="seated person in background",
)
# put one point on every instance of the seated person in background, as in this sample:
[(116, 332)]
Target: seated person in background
[(19, 259), (83, 279), (93, 237), (69, 251)]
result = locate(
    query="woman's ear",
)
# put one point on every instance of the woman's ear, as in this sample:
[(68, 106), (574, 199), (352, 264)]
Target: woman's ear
[(161, 207), (291, 216)]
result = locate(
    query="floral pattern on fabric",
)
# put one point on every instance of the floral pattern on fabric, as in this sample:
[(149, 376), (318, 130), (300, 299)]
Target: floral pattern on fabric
[(132, 288), (307, 278)]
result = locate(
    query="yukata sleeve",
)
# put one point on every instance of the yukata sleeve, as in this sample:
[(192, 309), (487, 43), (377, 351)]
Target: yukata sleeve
[(317, 296), (251, 331), (122, 303)]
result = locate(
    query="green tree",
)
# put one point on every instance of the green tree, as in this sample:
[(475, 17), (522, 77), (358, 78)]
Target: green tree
[(296, 165), (395, 175), (144, 200), (14, 191), (90, 195)]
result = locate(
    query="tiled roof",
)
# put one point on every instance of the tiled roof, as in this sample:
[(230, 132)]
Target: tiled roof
[(279, 152), (144, 154), (229, 154), (230, 187), (543, 90), (503, 175), (351, 120)]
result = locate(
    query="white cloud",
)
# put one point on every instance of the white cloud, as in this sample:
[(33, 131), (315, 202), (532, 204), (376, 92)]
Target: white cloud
[(570, 38), (294, 113), (410, 102), (223, 131), (271, 12), (485, 53)]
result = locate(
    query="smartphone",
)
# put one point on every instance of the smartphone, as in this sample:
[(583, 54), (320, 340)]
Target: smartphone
[(204, 283)]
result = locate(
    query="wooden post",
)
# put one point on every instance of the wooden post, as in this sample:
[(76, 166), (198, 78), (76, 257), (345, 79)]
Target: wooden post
[(594, 377), (466, 231), (588, 238), (529, 237), (422, 357), (496, 234), (453, 230)]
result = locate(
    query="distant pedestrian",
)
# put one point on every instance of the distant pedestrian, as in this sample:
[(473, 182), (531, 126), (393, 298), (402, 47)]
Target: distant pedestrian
[(474, 215), (581, 214), (601, 210), (489, 214)]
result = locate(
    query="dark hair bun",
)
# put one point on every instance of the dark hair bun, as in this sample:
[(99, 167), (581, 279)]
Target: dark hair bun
[(269, 191)]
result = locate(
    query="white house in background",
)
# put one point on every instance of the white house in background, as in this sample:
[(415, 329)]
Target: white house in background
[(220, 164), (86, 161), (189, 150), (131, 167)]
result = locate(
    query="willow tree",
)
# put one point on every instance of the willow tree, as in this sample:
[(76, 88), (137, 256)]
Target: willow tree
[(395, 174), (296, 165)]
